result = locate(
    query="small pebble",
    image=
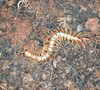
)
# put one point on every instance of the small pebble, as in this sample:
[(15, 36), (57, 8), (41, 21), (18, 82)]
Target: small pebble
[(45, 12), (59, 58), (79, 28), (44, 76), (67, 70), (36, 76), (55, 63), (32, 36), (69, 18)]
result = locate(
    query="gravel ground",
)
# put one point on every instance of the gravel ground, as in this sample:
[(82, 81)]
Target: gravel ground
[(25, 23)]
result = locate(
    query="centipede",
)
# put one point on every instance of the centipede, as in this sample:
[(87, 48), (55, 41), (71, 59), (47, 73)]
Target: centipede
[(51, 42)]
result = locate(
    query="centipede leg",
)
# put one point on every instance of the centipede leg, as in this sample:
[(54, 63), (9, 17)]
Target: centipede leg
[(78, 35), (70, 31), (77, 43), (71, 35), (74, 34), (68, 41), (83, 46), (64, 40)]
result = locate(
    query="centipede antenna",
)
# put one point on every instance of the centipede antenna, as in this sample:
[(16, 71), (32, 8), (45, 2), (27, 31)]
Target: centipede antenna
[(60, 23), (61, 19), (63, 23)]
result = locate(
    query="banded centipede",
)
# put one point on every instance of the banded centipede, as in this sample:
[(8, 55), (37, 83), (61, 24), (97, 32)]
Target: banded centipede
[(52, 40), (50, 44)]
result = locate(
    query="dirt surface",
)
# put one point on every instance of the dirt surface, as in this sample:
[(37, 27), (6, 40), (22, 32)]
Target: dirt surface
[(26, 23)]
